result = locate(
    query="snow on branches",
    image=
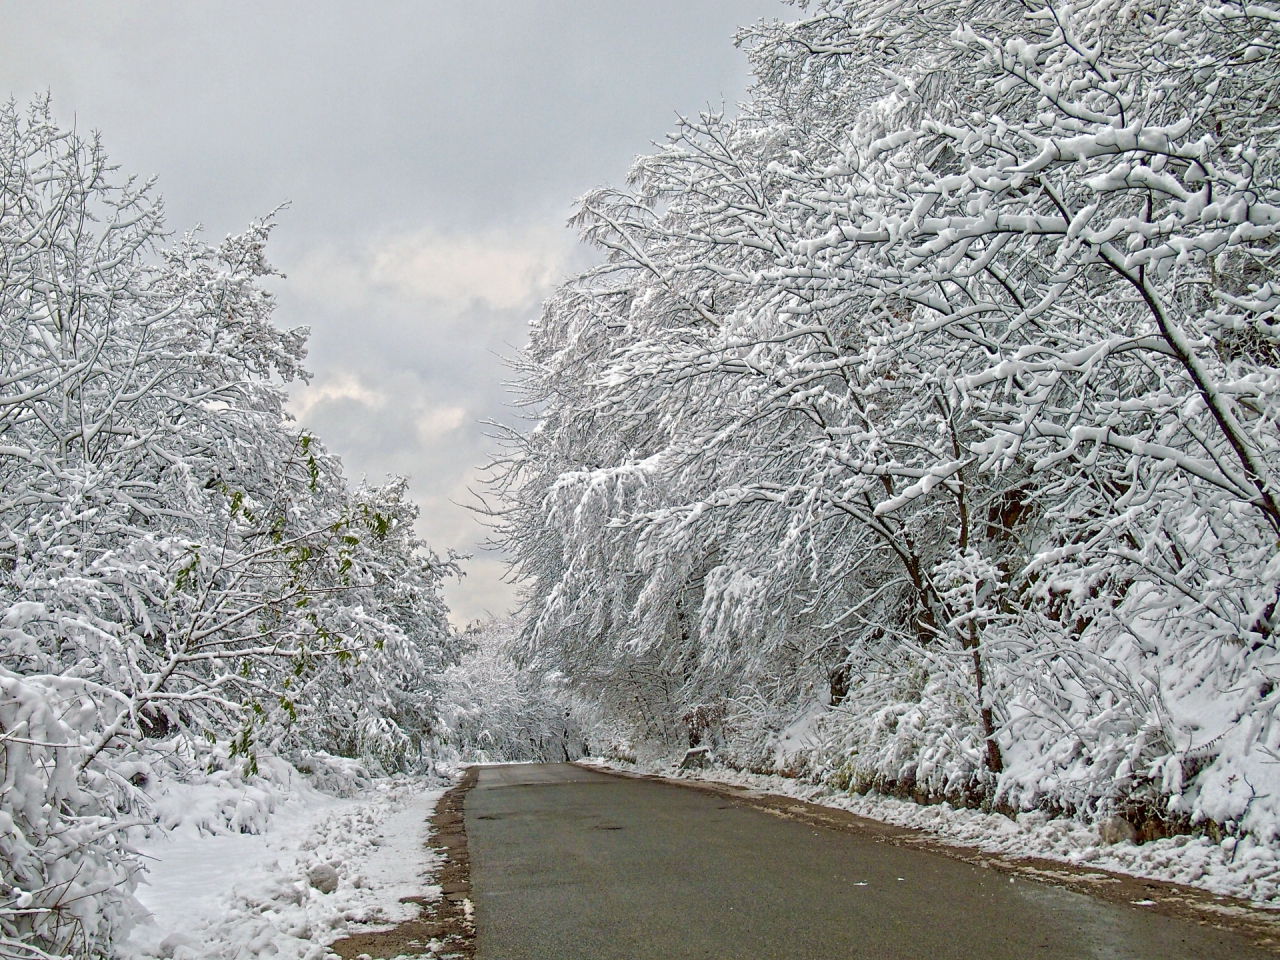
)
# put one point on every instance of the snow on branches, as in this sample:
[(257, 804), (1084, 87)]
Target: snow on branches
[(941, 385), (177, 562)]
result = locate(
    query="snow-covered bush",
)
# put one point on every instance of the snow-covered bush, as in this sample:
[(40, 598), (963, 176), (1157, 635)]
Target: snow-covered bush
[(337, 776), (939, 387), (177, 562)]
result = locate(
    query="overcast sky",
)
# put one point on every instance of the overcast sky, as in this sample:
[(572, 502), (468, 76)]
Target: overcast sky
[(430, 153)]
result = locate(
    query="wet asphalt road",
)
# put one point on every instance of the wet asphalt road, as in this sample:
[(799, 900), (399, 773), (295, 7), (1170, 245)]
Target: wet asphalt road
[(572, 863)]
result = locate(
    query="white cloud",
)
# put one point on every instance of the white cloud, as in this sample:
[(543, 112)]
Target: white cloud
[(437, 422), (339, 386), (398, 415), (500, 269)]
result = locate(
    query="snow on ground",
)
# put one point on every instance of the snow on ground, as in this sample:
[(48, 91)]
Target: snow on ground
[(236, 895), (1243, 868)]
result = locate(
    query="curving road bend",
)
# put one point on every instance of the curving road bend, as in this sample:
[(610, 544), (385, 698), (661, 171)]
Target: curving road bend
[(570, 863)]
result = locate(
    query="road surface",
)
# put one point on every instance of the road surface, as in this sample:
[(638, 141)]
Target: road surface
[(571, 863)]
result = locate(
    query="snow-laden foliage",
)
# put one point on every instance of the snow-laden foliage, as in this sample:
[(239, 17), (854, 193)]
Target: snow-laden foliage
[(494, 710), (938, 388), (177, 562)]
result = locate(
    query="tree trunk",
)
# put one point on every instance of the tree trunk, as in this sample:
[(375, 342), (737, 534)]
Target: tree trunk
[(994, 761)]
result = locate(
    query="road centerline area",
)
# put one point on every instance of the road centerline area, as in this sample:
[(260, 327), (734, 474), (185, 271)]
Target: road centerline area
[(572, 863)]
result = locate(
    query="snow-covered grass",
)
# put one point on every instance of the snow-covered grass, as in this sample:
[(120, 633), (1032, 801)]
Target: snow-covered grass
[(216, 892), (1241, 868)]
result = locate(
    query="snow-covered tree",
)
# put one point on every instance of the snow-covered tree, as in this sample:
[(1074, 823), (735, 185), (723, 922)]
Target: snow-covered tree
[(177, 562), (495, 710), (938, 385)]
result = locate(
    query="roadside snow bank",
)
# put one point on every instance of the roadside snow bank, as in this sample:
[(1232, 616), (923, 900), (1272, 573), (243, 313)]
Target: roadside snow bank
[(1241, 868), (220, 886)]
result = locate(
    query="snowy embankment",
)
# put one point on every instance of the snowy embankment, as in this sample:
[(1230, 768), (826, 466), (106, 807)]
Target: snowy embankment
[(1238, 868), (216, 892)]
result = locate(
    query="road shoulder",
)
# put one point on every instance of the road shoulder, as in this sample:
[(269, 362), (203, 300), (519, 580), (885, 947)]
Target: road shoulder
[(445, 924)]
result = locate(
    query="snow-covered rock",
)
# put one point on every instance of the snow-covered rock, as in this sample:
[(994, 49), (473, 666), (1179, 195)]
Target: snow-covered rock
[(1116, 830), (323, 878)]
